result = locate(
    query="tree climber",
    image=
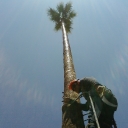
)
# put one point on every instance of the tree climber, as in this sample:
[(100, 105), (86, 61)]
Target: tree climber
[(104, 101)]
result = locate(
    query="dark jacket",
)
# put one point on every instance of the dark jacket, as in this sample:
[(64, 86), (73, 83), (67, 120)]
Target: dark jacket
[(105, 104), (89, 84)]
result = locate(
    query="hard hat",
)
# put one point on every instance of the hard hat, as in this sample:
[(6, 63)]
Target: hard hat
[(71, 83)]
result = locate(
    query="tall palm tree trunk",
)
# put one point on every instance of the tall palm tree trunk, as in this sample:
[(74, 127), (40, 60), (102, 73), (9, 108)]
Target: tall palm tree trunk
[(71, 114), (69, 71)]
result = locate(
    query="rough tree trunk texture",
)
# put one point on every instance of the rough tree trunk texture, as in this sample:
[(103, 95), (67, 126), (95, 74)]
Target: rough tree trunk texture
[(72, 116)]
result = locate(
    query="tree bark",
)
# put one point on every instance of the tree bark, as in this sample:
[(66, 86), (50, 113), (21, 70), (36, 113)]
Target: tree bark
[(71, 113)]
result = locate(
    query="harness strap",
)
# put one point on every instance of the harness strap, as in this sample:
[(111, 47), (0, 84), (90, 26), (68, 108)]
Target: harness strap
[(107, 102)]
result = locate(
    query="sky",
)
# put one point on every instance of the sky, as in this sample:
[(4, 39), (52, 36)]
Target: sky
[(31, 58)]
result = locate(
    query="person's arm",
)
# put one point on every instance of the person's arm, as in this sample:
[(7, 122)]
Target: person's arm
[(84, 107)]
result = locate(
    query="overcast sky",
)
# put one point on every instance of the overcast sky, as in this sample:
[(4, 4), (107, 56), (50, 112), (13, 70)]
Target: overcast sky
[(31, 58)]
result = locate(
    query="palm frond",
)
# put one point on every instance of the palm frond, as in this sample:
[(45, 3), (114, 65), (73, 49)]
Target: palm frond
[(57, 26), (71, 15), (68, 26), (54, 15), (68, 7), (67, 21), (60, 7)]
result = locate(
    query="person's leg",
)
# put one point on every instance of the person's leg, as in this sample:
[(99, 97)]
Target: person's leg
[(106, 116)]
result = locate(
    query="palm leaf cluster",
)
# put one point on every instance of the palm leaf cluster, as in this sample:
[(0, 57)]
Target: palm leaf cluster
[(63, 13)]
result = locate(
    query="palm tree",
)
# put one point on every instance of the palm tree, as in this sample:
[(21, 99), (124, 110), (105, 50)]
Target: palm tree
[(62, 17)]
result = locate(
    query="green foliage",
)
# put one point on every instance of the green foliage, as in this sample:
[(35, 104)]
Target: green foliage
[(63, 13)]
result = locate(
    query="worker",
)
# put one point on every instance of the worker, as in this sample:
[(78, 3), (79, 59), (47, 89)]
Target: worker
[(104, 101)]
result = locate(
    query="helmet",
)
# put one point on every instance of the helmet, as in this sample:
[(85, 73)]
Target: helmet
[(71, 83)]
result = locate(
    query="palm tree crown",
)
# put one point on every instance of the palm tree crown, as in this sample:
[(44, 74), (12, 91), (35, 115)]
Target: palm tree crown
[(63, 14)]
